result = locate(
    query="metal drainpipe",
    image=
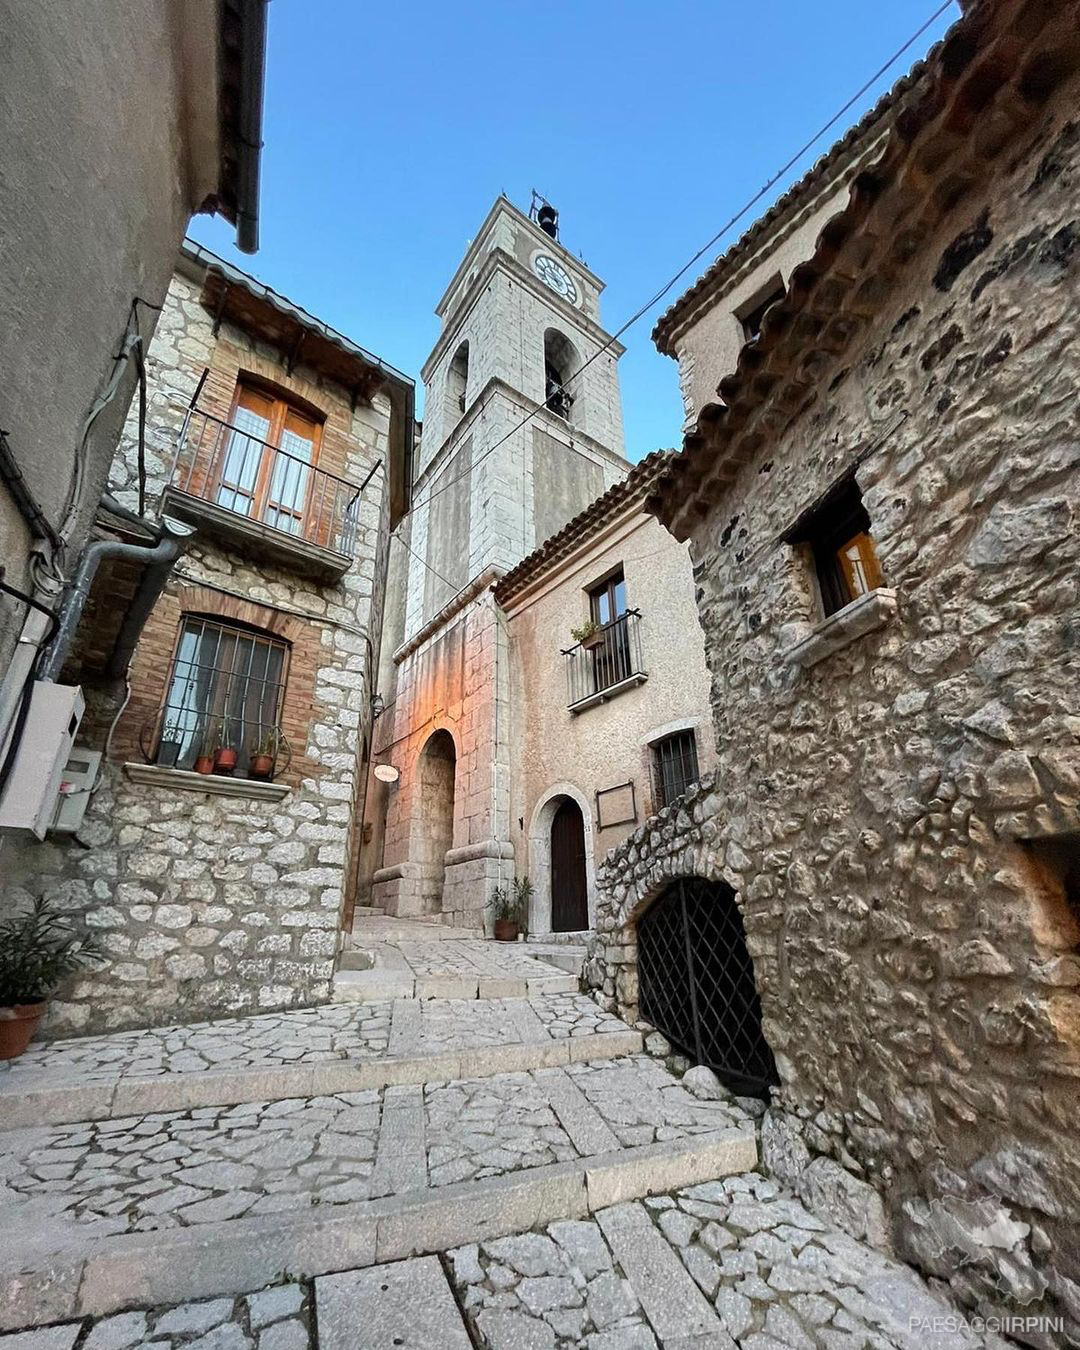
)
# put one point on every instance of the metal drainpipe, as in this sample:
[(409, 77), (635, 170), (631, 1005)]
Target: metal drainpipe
[(158, 558), (252, 71)]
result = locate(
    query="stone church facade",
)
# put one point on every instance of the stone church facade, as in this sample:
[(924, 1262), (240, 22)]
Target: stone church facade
[(515, 443), (882, 513)]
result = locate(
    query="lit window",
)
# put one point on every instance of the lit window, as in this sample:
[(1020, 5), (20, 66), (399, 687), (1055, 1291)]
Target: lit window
[(265, 465), (675, 766), (223, 696), (838, 535)]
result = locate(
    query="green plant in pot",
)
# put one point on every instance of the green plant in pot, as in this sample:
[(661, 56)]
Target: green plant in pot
[(523, 894), (505, 905), (589, 635), (170, 746), (263, 754), (225, 756), (208, 743), (38, 951)]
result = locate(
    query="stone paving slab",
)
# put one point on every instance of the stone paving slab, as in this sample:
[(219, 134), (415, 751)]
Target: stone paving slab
[(457, 968), (301, 1054), (212, 1200), (408, 1304), (730, 1262), (277, 1318)]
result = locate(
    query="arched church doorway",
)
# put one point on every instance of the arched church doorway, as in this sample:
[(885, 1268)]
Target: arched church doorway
[(438, 763), (696, 983), (569, 884)]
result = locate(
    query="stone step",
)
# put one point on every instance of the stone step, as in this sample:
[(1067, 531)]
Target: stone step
[(369, 1045), (457, 969), (737, 1261), (99, 1217), (233, 1256)]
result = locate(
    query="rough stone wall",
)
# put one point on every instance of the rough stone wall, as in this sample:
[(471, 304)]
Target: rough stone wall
[(917, 963), (210, 904)]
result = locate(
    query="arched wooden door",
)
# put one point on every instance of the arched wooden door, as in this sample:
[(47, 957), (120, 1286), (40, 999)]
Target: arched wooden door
[(697, 983), (569, 888)]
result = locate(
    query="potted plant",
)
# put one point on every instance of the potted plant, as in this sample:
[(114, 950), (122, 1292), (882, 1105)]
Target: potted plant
[(209, 740), (38, 951), (169, 746), (504, 902), (262, 755), (589, 635), (523, 893), (225, 755)]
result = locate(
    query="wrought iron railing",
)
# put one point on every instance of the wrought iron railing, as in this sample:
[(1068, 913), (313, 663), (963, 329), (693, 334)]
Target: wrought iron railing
[(607, 658), (237, 472)]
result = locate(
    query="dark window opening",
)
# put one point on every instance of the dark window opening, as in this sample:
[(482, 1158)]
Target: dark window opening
[(224, 694), (607, 599), (1059, 857), (675, 766), (457, 380), (838, 535), (753, 318), (561, 363)]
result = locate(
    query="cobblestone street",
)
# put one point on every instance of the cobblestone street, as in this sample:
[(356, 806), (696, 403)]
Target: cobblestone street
[(591, 1198), (722, 1264)]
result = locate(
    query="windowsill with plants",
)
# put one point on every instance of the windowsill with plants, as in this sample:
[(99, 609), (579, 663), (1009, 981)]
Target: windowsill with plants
[(158, 775), (815, 642)]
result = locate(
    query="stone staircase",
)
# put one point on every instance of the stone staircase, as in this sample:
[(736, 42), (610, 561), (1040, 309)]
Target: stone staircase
[(148, 1168), (413, 958), (467, 1174)]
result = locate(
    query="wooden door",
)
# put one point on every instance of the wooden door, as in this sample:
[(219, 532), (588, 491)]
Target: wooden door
[(569, 889)]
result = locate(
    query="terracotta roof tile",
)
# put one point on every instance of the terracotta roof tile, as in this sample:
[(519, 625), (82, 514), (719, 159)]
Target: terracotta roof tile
[(854, 142), (981, 89)]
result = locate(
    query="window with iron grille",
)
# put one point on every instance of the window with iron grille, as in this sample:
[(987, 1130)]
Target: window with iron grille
[(837, 532), (224, 693), (675, 766)]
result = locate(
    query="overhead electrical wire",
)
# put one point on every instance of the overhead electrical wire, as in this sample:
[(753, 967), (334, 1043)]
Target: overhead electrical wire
[(705, 248)]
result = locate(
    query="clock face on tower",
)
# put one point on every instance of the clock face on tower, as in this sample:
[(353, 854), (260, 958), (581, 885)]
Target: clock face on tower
[(556, 276)]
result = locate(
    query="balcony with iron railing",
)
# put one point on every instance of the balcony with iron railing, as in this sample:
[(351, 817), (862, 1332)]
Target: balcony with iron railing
[(249, 491), (606, 663)]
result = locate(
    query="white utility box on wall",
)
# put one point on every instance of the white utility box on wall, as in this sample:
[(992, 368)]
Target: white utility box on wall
[(33, 790)]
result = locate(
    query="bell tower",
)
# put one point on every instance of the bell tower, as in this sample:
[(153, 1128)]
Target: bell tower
[(522, 430), (520, 317)]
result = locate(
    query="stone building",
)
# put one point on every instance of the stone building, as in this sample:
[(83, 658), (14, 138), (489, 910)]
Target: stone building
[(705, 329), (516, 442), (882, 513), (601, 736), (98, 192), (284, 448)]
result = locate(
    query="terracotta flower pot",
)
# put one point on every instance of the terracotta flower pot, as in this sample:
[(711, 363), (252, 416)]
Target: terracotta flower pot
[(593, 641), (17, 1027), (261, 767), (506, 930), (224, 760), (204, 764)]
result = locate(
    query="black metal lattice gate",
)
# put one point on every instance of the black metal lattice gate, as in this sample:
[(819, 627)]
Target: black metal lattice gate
[(696, 983)]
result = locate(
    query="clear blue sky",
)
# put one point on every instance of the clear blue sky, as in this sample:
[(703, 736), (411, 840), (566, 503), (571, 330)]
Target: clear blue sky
[(391, 127)]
